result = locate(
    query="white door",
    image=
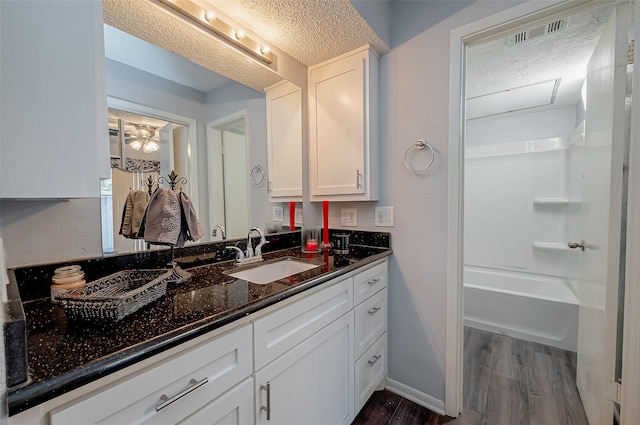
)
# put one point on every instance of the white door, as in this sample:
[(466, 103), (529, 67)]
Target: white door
[(166, 150), (601, 216), (235, 177)]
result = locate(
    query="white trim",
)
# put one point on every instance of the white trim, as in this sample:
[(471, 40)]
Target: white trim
[(630, 408), (418, 397), (190, 123), (518, 15)]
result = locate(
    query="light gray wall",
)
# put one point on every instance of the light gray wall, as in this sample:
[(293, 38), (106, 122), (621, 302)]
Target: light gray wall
[(414, 104)]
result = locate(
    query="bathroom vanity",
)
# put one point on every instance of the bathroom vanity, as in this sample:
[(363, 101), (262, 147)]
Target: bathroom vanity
[(307, 348)]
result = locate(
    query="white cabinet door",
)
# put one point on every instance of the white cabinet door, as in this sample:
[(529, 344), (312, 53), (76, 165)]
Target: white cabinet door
[(234, 407), (284, 137), (342, 127), (54, 100), (312, 384)]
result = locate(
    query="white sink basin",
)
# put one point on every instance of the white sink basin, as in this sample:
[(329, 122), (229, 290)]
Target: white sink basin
[(267, 273)]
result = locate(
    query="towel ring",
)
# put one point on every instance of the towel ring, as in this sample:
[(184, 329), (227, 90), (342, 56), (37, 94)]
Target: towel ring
[(257, 171), (419, 145)]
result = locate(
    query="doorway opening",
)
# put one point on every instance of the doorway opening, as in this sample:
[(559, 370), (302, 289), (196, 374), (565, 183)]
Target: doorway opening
[(523, 160), (153, 143), (228, 174)]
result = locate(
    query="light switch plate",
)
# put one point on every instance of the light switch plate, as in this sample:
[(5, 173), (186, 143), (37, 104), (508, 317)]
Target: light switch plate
[(349, 217), (384, 216), (278, 213), (298, 217)]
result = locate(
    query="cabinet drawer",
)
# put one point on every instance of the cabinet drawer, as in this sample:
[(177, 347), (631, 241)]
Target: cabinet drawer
[(370, 371), (371, 321), (369, 282), (283, 329), (200, 375)]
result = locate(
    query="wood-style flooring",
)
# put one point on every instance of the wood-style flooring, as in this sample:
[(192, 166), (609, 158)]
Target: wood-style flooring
[(507, 381)]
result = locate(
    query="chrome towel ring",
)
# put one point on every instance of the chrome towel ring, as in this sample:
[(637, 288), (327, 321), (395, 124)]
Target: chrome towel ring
[(419, 145), (257, 175)]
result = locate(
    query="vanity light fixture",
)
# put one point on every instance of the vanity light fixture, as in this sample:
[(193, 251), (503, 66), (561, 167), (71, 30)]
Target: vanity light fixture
[(210, 20)]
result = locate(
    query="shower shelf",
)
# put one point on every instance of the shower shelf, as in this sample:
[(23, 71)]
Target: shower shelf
[(550, 246)]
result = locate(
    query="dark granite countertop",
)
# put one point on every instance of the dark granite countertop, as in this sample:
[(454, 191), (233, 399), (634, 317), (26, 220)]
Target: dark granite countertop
[(64, 354)]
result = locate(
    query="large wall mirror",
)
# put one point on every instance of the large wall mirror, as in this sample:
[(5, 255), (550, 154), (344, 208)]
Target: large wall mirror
[(176, 115)]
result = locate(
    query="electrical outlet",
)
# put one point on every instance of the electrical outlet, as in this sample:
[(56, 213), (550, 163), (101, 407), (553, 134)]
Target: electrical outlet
[(349, 217), (278, 214), (298, 217), (384, 216)]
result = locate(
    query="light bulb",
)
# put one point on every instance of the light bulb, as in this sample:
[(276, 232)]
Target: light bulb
[(135, 145), (209, 15), (150, 146), (239, 34), (264, 49)]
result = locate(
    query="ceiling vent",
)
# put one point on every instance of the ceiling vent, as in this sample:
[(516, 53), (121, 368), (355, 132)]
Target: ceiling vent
[(548, 28)]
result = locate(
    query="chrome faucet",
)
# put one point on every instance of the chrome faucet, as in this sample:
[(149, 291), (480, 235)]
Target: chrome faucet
[(250, 256), (215, 233), (258, 251)]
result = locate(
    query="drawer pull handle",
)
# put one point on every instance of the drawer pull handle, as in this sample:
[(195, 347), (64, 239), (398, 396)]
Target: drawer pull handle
[(373, 282), (374, 360), (267, 408), (374, 310), (166, 400)]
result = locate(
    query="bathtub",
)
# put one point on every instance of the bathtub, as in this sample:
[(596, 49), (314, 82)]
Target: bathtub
[(528, 306)]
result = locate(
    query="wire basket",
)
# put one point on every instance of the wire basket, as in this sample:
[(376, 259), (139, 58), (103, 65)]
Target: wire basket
[(115, 296)]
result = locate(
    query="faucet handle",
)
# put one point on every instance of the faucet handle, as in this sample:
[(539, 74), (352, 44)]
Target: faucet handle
[(239, 253), (259, 247)]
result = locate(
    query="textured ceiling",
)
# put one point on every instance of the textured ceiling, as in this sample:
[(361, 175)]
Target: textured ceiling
[(148, 22), (310, 31), (337, 28), (495, 66)]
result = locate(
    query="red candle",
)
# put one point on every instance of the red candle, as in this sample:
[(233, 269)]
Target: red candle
[(312, 245), (292, 216), (325, 212)]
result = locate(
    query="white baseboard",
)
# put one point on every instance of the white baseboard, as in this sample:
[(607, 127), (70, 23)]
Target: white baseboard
[(424, 400)]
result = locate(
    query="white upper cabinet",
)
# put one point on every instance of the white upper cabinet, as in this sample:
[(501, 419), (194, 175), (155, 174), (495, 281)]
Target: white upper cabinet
[(284, 129), (54, 102), (343, 120)]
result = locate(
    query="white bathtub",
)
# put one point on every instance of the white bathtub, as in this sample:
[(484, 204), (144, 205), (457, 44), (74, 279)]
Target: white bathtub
[(533, 307)]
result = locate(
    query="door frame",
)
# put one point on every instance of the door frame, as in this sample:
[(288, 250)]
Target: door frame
[(215, 169), (492, 26), (630, 409)]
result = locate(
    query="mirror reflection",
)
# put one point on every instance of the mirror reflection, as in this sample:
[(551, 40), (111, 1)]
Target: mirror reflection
[(199, 127), (142, 149)]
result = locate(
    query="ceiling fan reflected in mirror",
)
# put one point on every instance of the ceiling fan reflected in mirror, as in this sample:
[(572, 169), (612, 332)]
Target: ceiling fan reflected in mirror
[(143, 137)]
